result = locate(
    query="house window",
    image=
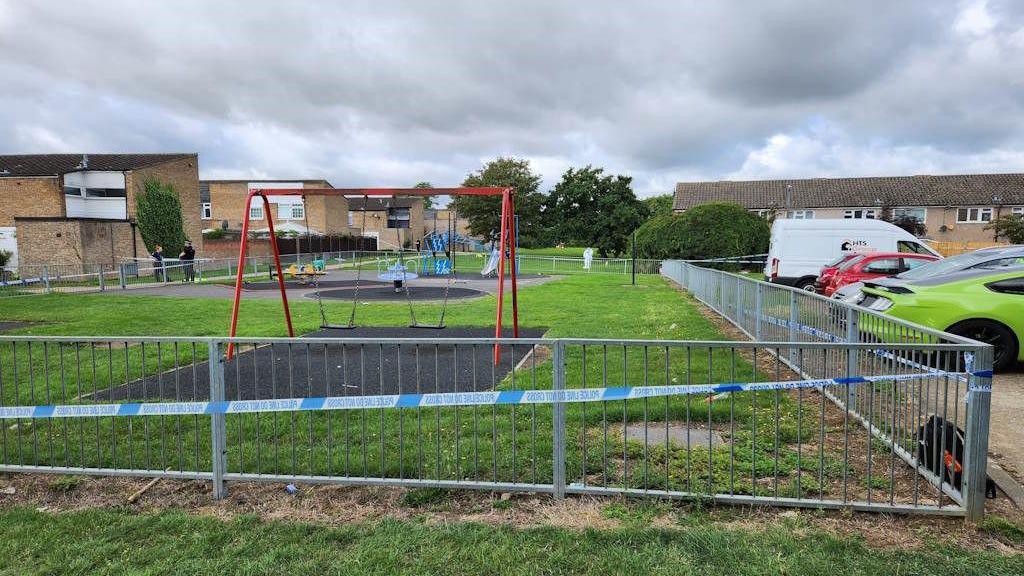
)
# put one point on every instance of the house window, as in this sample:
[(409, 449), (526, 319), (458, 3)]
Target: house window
[(298, 211), (859, 213), (206, 211), (291, 212), (917, 213), (964, 215), (351, 219), (800, 214), (105, 193), (1018, 211), (256, 212), (398, 217), (71, 191), (766, 214)]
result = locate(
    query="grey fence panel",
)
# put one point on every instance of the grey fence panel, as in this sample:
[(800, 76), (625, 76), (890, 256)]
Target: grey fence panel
[(742, 422), (895, 414)]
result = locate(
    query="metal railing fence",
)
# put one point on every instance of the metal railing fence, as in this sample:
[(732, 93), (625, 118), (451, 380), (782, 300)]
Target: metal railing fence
[(895, 417), (84, 278), (734, 422)]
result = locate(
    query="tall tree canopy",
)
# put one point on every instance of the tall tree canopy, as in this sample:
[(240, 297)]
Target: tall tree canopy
[(484, 212), (589, 208), (158, 212), (658, 205), (428, 201)]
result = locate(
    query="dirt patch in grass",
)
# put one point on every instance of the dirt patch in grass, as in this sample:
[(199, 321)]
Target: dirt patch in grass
[(334, 504)]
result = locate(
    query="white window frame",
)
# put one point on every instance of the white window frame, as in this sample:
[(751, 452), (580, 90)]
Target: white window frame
[(800, 214), (906, 211), (351, 219), (861, 214), (975, 214), (1017, 211), (256, 212), (206, 211), (765, 213)]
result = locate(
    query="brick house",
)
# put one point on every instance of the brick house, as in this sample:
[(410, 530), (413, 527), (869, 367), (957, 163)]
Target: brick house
[(222, 205), (953, 208), (80, 208), (440, 218), (394, 222)]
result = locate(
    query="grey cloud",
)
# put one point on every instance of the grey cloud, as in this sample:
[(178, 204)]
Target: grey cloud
[(396, 92)]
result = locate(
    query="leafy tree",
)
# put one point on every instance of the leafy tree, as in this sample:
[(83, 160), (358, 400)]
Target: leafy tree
[(712, 230), (658, 205), (904, 221), (484, 212), (158, 212), (428, 201), (1010, 227), (589, 208)]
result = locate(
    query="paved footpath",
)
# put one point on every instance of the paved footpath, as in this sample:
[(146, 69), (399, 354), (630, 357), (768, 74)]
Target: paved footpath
[(1006, 431)]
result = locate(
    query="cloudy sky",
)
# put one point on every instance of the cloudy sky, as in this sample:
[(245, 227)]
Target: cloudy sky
[(391, 93)]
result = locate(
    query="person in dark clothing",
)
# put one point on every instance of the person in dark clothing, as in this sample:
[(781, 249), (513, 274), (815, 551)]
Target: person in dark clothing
[(187, 257), (158, 263)]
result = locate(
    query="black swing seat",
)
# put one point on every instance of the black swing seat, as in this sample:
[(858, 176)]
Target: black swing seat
[(428, 326), (337, 326)]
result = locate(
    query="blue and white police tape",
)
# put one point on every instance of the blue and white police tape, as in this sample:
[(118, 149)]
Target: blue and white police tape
[(444, 399)]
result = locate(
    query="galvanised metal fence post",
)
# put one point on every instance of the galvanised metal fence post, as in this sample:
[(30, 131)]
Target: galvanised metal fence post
[(102, 287), (852, 360), (738, 300), (794, 316), (46, 278), (758, 301), (121, 277), (979, 404), (218, 427), (558, 422)]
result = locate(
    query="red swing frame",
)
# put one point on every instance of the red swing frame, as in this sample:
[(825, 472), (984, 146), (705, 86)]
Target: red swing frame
[(506, 242)]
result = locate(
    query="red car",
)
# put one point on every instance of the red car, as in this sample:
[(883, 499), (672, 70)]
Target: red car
[(875, 265), (829, 270)]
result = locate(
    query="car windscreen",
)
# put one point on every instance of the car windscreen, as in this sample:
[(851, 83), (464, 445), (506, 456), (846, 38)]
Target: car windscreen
[(951, 264), (846, 265), (839, 260)]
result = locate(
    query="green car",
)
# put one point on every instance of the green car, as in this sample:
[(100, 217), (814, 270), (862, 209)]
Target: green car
[(984, 305)]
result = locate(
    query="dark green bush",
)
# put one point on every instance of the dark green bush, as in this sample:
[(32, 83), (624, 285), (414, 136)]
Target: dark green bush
[(713, 230), (158, 212)]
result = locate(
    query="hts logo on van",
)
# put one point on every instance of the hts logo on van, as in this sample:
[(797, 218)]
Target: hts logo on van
[(848, 244)]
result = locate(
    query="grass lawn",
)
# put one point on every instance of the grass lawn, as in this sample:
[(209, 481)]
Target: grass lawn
[(115, 540), (571, 251)]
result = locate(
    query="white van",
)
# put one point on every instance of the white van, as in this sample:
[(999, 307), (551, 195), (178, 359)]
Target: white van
[(800, 248)]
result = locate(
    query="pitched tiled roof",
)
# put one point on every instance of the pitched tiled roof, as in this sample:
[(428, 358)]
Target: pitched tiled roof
[(955, 190), (57, 164)]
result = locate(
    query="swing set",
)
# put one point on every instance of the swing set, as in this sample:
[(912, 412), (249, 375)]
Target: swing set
[(506, 241)]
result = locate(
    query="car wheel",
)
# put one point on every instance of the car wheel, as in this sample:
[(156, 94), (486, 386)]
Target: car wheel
[(990, 332), (806, 284)]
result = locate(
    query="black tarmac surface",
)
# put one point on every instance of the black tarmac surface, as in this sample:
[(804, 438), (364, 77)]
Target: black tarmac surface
[(350, 369), (323, 283), (388, 293)]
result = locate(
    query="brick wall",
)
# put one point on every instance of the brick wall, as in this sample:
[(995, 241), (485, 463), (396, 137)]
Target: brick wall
[(326, 214), (376, 222), (36, 197), (183, 175), (73, 242)]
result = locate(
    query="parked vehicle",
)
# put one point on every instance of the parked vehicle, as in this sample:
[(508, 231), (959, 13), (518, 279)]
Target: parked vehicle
[(829, 270), (800, 248), (871, 266), (993, 258), (983, 304)]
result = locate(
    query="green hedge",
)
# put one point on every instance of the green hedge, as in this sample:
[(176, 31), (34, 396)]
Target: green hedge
[(713, 230)]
